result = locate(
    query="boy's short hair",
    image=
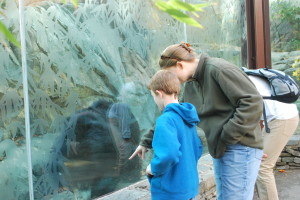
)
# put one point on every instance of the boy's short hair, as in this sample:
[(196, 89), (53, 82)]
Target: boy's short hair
[(166, 81)]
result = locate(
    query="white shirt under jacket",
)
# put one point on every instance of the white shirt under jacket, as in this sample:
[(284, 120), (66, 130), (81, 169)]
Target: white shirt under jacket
[(274, 109)]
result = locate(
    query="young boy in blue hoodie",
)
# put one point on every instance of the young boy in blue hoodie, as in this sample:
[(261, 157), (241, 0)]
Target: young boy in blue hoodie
[(177, 148)]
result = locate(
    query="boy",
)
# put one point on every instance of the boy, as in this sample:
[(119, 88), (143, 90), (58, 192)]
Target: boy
[(173, 170)]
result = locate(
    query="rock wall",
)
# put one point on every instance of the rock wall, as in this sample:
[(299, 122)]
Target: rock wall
[(286, 61), (290, 156)]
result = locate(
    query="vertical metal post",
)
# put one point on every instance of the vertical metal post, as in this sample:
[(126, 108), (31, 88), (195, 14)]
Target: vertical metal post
[(184, 29), (26, 96)]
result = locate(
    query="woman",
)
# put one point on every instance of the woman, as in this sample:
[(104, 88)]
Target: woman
[(229, 107)]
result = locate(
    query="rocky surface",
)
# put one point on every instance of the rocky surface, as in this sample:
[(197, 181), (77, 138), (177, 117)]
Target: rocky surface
[(290, 156)]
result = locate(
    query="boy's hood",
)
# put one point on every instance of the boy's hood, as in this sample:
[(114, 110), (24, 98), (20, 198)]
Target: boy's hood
[(186, 110)]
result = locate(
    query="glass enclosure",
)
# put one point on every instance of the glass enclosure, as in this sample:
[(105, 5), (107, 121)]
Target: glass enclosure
[(225, 32), (88, 68), (285, 37)]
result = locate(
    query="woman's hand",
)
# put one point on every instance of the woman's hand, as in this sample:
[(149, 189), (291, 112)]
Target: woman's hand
[(264, 157), (140, 151)]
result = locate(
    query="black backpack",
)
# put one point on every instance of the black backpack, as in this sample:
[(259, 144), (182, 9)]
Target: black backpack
[(283, 86)]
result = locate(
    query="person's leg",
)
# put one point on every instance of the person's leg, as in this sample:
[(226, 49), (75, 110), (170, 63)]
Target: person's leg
[(236, 172), (274, 142)]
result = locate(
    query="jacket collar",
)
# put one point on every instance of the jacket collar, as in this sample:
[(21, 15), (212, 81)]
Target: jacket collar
[(200, 68)]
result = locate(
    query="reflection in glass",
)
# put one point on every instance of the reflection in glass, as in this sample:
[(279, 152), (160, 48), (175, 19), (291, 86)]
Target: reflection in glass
[(225, 32), (13, 162), (285, 38), (92, 153)]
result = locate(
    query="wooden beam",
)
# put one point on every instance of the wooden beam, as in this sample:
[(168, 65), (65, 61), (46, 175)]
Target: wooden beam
[(267, 38), (250, 35), (259, 34)]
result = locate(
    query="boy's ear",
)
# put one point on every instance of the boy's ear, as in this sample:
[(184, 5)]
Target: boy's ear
[(159, 93)]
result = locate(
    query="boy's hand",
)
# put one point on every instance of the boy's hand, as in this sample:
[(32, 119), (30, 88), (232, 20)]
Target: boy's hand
[(140, 151), (148, 170)]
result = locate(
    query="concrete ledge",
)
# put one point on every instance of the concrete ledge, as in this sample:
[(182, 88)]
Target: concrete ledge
[(137, 191), (140, 190), (207, 186)]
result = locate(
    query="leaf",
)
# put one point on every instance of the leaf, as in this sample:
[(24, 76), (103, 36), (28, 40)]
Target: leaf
[(182, 5), (176, 14), (183, 18), (9, 35), (185, 6), (16, 127), (195, 14), (281, 170), (11, 104), (75, 3), (202, 5), (39, 125)]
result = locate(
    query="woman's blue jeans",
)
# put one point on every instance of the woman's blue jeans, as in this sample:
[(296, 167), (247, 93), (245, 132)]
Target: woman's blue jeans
[(236, 172)]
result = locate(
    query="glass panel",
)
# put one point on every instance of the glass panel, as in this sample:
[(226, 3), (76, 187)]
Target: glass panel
[(285, 38), (89, 104), (13, 160), (224, 34), (88, 66)]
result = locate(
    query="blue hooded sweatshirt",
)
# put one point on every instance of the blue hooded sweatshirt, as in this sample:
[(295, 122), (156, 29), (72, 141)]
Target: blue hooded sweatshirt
[(177, 149)]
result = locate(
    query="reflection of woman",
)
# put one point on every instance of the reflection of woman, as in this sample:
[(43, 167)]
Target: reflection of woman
[(125, 132), (229, 107)]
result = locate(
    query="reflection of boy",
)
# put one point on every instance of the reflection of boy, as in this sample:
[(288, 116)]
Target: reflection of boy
[(177, 147)]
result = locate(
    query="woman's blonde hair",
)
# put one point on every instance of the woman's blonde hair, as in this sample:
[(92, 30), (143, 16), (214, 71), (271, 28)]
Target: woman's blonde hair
[(177, 52), (166, 81)]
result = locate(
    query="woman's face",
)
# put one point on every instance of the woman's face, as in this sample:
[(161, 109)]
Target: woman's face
[(181, 70)]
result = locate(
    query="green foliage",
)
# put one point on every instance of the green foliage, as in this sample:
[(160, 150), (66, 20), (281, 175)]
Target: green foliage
[(8, 35), (4, 30), (296, 65), (178, 9), (298, 104), (287, 12)]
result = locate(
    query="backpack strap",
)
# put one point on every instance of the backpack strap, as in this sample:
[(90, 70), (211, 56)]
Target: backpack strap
[(265, 119)]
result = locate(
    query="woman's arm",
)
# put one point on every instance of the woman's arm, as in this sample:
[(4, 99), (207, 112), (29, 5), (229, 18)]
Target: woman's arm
[(247, 101)]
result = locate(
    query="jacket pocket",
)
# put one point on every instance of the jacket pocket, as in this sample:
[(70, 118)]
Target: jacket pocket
[(220, 149), (155, 182)]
